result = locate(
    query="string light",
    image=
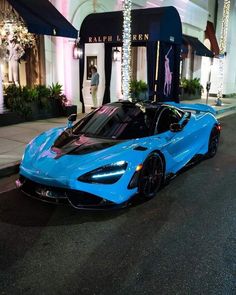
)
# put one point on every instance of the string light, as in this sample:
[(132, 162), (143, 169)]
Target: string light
[(126, 52), (223, 40)]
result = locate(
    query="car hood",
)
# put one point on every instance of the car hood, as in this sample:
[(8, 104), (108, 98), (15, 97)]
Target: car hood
[(45, 158), (68, 144)]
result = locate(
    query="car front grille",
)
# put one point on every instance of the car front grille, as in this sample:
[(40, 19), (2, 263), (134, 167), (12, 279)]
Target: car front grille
[(77, 199)]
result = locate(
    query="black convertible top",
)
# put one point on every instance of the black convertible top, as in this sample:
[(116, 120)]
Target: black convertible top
[(142, 105)]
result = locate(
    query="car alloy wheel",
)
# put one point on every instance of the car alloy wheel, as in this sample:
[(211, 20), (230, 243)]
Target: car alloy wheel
[(213, 143), (151, 176)]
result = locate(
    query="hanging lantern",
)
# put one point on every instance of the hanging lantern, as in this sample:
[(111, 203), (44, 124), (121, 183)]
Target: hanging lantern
[(116, 54), (77, 50)]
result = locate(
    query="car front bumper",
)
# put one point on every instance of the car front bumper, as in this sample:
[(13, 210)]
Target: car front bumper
[(77, 199)]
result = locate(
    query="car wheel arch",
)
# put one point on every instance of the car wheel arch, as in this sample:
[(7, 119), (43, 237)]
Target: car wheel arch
[(162, 157), (149, 179), (211, 153)]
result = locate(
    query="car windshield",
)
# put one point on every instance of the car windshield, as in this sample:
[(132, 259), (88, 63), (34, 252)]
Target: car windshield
[(116, 122)]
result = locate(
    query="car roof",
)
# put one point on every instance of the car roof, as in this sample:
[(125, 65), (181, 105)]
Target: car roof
[(140, 104)]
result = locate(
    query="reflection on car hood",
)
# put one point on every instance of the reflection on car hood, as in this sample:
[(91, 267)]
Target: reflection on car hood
[(80, 145)]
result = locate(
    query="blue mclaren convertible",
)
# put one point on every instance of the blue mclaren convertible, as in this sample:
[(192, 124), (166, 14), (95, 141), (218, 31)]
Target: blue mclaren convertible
[(117, 151)]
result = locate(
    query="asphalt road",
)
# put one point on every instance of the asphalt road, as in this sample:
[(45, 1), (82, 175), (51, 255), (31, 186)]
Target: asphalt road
[(181, 242)]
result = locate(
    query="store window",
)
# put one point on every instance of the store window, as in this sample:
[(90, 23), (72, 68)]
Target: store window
[(21, 53)]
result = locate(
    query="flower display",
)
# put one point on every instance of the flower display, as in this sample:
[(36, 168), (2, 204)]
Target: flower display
[(12, 27)]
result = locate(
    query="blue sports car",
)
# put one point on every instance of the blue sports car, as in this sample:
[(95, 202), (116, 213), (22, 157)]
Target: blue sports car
[(117, 151)]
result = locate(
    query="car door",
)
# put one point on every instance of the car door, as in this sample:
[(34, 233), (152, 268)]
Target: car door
[(177, 149)]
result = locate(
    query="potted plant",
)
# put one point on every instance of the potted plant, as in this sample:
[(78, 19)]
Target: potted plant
[(59, 100), (191, 88), (138, 90), (38, 102), (17, 100)]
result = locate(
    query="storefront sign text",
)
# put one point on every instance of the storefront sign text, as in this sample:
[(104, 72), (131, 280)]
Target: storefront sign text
[(106, 39)]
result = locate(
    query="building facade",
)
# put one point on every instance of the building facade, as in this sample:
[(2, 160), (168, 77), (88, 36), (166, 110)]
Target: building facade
[(62, 67)]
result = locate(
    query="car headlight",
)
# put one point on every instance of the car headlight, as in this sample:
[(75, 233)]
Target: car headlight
[(107, 174)]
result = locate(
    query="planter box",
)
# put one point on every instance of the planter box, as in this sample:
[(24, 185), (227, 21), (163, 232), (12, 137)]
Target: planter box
[(140, 96), (71, 109), (10, 118), (38, 113), (143, 95), (190, 96)]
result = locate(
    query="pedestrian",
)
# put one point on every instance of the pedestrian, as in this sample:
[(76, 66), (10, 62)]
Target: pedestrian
[(94, 86)]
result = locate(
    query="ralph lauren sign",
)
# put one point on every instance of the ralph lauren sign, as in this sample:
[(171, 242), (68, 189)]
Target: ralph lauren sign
[(117, 38)]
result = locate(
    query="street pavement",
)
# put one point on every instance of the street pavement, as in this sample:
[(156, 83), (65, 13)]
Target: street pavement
[(182, 242), (14, 138)]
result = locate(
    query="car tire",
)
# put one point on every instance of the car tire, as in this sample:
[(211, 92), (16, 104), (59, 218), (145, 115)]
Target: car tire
[(151, 176), (213, 142)]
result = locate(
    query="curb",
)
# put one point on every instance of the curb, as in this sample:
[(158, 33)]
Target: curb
[(9, 169), (228, 109)]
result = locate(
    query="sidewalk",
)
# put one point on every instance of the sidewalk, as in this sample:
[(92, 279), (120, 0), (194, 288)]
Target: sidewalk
[(228, 104), (14, 138)]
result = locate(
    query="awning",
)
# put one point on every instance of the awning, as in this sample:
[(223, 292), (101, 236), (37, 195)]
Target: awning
[(151, 24), (197, 47), (41, 17), (210, 34)]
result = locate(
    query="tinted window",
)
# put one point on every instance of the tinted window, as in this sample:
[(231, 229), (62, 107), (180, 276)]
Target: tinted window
[(167, 117), (116, 122)]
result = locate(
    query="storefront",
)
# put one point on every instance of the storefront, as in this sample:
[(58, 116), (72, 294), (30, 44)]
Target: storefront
[(23, 24), (156, 33), (158, 30)]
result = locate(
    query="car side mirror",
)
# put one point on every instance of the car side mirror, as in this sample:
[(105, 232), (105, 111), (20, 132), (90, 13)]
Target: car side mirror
[(72, 118), (175, 127)]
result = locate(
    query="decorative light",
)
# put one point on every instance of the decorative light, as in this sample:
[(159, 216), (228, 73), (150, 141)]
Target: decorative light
[(223, 40), (126, 52), (77, 50), (12, 26)]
